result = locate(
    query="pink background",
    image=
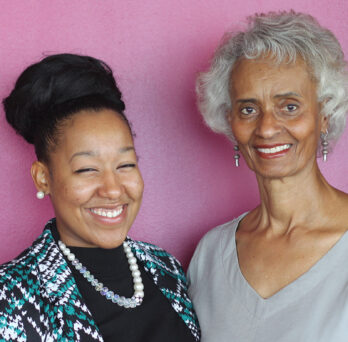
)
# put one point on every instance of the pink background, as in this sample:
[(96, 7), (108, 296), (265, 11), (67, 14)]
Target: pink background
[(156, 47)]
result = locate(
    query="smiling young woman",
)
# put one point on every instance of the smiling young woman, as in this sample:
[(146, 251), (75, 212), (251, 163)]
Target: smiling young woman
[(84, 279), (93, 180)]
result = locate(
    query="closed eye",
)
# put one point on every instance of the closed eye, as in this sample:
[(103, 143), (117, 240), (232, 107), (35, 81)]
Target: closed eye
[(129, 165), (88, 169)]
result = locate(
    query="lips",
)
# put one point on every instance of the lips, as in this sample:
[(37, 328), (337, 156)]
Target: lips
[(272, 151)]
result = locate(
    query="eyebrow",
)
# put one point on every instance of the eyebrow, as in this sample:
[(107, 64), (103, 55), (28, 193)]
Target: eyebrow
[(289, 94), (94, 154), (126, 149), (246, 100)]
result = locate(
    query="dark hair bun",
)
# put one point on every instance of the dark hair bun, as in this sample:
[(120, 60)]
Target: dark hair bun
[(54, 81)]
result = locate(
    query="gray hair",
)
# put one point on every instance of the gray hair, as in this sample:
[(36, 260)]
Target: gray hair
[(283, 36)]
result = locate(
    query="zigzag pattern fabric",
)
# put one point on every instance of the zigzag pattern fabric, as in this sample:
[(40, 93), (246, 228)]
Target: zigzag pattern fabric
[(40, 301)]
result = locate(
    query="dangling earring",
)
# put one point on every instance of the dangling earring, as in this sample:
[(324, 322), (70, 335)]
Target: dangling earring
[(40, 195), (236, 155), (324, 144)]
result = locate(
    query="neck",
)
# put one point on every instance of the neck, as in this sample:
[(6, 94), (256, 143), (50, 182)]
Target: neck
[(294, 201)]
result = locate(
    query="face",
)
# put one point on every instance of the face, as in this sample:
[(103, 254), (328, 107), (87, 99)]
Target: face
[(93, 180), (275, 116)]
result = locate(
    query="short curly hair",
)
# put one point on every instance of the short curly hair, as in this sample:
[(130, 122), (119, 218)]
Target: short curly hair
[(283, 36)]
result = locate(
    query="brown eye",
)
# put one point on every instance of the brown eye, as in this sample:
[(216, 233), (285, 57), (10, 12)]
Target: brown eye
[(291, 107), (248, 110)]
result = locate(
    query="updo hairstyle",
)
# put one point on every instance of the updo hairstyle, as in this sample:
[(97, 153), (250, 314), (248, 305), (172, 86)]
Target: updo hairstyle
[(49, 92)]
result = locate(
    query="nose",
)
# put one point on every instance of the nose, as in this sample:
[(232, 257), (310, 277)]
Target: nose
[(111, 186), (268, 125)]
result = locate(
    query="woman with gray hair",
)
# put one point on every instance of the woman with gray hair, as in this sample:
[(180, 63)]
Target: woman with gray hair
[(277, 272)]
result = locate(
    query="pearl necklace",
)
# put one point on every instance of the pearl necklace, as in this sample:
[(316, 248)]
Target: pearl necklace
[(138, 295)]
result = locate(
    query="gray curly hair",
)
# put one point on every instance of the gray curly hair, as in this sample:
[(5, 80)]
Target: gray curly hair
[(283, 36)]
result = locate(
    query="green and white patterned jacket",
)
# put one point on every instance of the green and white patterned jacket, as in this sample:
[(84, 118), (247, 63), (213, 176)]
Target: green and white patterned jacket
[(40, 301)]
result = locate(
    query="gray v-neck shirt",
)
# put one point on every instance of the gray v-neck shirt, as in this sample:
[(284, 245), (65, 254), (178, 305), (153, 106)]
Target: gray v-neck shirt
[(313, 308)]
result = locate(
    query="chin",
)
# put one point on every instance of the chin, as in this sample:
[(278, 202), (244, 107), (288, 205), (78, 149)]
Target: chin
[(109, 239), (274, 173), (109, 244)]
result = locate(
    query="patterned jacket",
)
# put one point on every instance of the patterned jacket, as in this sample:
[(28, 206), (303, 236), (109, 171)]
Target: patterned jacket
[(40, 301)]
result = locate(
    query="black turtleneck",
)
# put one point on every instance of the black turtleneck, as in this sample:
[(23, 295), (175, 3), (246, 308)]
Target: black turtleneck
[(154, 320)]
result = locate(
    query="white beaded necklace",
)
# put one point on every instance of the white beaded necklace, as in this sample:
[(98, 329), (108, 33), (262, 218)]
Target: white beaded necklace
[(138, 295)]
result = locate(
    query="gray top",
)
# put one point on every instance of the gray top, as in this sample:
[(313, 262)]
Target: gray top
[(313, 308)]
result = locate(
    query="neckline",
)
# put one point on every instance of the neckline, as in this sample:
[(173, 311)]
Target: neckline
[(294, 290), (102, 263)]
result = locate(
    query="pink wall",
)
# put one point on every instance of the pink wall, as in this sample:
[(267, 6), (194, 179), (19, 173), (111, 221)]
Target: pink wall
[(155, 48)]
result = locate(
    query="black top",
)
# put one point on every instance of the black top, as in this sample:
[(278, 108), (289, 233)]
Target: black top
[(154, 320)]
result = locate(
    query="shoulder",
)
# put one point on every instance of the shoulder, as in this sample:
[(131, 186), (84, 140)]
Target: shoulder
[(27, 261), (20, 278), (18, 269), (19, 288), (21, 274), (209, 250), (217, 236)]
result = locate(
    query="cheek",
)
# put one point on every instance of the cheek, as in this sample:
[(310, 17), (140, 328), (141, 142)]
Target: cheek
[(74, 193), (80, 194), (135, 187), (306, 132), (241, 131)]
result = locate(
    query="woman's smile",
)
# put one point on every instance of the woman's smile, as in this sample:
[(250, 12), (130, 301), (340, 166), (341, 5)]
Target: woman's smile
[(111, 213), (109, 216), (272, 151)]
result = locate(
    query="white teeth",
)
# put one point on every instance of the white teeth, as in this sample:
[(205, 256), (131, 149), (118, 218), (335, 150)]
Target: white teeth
[(274, 149), (107, 212)]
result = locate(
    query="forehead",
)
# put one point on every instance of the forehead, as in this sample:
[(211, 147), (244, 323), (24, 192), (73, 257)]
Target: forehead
[(265, 74), (95, 129)]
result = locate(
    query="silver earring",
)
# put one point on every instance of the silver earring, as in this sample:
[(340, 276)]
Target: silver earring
[(40, 195), (236, 155), (325, 145)]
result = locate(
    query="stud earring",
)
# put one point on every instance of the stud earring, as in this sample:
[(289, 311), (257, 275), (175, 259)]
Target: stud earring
[(40, 195), (325, 145), (236, 155)]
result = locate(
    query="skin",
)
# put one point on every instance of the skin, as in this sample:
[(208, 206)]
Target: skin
[(300, 217), (92, 170)]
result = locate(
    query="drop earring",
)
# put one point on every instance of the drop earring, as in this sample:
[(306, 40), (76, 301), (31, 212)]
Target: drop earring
[(40, 195), (236, 155), (325, 145)]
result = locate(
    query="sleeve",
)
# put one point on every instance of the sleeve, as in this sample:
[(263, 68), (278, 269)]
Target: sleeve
[(194, 269), (204, 260)]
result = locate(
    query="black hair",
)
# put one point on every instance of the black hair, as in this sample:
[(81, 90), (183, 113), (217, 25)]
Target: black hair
[(52, 90)]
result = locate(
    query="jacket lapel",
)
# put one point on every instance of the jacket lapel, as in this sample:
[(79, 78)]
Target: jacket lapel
[(168, 275), (61, 302)]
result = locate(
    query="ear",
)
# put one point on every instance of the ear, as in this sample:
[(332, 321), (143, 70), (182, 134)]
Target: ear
[(40, 175), (324, 123)]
